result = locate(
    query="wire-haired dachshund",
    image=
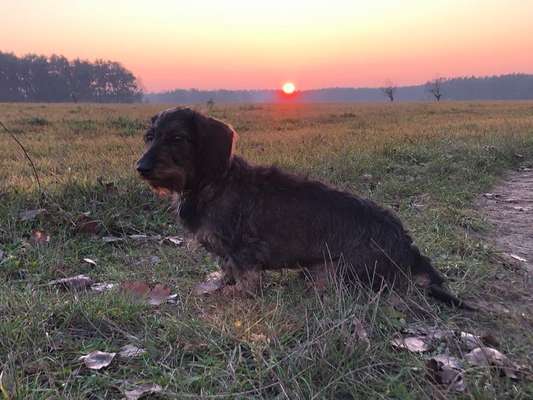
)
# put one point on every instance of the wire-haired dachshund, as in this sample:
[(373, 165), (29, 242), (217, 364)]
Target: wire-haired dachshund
[(258, 218)]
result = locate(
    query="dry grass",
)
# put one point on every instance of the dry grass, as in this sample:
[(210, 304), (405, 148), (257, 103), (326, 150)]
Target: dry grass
[(427, 161)]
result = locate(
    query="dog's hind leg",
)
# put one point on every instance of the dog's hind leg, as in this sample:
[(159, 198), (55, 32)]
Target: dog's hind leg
[(319, 275)]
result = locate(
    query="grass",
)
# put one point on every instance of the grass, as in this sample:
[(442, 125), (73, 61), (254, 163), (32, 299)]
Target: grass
[(429, 162)]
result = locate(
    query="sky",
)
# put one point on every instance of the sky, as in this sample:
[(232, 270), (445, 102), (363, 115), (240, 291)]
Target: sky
[(249, 44)]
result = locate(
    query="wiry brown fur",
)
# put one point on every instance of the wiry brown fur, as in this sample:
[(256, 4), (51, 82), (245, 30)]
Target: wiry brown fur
[(259, 218)]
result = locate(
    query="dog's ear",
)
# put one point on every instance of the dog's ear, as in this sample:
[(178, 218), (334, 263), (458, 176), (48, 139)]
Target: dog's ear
[(215, 141)]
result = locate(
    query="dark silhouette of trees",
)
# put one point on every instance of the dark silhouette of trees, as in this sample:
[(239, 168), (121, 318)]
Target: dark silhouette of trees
[(34, 78), (503, 87), (435, 87), (389, 90)]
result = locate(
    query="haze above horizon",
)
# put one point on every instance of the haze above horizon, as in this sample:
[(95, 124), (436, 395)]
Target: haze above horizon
[(239, 44)]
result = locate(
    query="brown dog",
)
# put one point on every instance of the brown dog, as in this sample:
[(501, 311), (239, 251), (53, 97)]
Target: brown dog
[(258, 218)]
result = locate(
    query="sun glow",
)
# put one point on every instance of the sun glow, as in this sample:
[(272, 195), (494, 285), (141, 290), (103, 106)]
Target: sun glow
[(288, 88)]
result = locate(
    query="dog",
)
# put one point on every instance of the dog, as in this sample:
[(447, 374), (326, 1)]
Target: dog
[(256, 218)]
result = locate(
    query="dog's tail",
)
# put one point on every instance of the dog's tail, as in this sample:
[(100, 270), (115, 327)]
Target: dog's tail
[(434, 282)]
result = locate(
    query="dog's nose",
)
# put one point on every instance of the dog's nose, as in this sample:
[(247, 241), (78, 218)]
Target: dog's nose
[(142, 170), (143, 167)]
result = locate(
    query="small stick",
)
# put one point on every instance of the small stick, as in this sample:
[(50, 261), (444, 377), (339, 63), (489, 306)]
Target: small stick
[(25, 153)]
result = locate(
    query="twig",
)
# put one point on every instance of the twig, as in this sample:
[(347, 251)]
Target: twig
[(25, 153)]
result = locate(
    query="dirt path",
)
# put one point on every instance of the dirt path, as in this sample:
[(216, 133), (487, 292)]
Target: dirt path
[(509, 207)]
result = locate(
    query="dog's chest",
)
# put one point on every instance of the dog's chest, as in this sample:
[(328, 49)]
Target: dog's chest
[(210, 240)]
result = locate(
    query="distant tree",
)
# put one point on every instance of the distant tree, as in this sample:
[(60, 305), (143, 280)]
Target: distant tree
[(56, 79), (210, 103), (435, 87), (389, 90)]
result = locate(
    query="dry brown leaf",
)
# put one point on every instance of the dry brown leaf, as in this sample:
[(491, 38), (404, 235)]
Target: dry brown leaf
[(446, 370), (29, 215), (155, 296), (487, 356), (142, 390), (213, 282), (97, 359), (130, 351), (78, 282), (158, 295), (84, 224), (415, 344), (39, 237)]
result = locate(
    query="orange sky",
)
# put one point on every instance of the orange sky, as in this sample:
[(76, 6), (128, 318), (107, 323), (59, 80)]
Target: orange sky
[(239, 44)]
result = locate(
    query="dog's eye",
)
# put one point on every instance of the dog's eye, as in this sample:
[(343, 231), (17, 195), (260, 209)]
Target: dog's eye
[(149, 138)]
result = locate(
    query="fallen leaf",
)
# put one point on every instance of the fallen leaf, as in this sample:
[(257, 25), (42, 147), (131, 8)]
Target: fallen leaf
[(90, 261), (469, 340), (213, 282), (487, 356), (178, 241), (415, 344), (158, 295), (446, 370), (111, 239), (518, 258), (102, 287), (141, 390), (97, 359), (155, 296), (139, 237), (130, 351), (39, 237), (84, 224), (78, 282), (29, 215)]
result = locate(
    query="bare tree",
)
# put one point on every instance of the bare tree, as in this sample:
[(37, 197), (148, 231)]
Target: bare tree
[(435, 87), (389, 90)]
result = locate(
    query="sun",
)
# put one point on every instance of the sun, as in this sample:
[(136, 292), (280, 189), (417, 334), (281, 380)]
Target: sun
[(288, 88)]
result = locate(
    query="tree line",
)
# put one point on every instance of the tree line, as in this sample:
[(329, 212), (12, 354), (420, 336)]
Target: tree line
[(37, 78), (502, 87)]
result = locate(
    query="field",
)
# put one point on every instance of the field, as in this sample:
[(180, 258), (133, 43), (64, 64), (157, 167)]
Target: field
[(429, 162)]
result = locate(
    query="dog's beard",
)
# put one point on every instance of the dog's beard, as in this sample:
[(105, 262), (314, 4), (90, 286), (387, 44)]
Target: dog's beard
[(167, 182)]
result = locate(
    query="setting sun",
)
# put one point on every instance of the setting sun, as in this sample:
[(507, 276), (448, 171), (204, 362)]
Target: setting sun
[(288, 88)]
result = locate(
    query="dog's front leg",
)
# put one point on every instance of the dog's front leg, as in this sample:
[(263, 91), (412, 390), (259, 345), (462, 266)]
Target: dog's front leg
[(247, 280), (227, 269)]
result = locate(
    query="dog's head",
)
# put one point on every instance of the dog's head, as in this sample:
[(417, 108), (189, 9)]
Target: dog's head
[(185, 149)]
